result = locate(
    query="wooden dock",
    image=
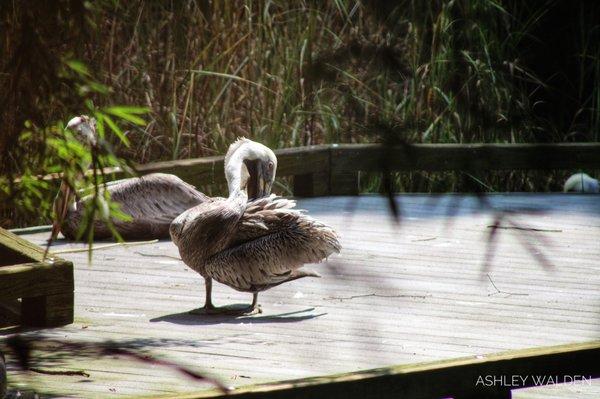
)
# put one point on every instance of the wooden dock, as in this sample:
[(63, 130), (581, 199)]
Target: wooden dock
[(399, 293)]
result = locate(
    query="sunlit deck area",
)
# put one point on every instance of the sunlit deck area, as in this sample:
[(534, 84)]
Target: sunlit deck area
[(399, 293)]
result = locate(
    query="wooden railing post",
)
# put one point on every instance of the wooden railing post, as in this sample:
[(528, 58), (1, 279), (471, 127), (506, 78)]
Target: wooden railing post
[(314, 184), (344, 175), (309, 167)]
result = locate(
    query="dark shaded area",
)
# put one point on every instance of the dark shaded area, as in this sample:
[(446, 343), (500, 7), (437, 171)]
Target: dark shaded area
[(562, 51), (32, 78), (10, 257), (2, 375)]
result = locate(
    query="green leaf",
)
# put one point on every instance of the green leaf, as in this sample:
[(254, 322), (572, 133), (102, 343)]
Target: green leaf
[(98, 88), (100, 125), (116, 130), (78, 67), (128, 114), (89, 104), (133, 110)]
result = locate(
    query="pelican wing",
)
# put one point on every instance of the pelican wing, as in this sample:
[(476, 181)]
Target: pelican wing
[(263, 216), (152, 201), (272, 242), (156, 197), (205, 229)]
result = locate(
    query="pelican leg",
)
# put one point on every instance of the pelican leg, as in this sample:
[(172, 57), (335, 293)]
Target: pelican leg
[(254, 307), (208, 288), (210, 309)]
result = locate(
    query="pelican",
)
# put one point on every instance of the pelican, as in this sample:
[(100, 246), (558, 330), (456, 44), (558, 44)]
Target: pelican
[(582, 183), (152, 201), (249, 246)]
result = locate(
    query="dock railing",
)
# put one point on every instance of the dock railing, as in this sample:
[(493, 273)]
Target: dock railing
[(334, 169)]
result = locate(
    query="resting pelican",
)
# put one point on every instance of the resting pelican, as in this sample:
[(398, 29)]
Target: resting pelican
[(249, 246), (582, 183), (152, 201)]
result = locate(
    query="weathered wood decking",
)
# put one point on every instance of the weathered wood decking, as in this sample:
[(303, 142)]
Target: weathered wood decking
[(398, 294)]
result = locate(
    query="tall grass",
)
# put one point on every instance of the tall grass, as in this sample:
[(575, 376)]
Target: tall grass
[(211, 71)]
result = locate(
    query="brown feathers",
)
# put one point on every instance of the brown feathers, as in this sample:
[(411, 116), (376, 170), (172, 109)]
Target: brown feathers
[(152, 201), (264, 248)]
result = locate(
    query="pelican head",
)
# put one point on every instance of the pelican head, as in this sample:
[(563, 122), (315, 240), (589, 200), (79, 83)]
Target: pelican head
[(85, 127), (257, 164)]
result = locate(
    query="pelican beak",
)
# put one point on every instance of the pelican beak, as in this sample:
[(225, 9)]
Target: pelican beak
[(264, 182), (266, 190), (259, 188), (260, 180)]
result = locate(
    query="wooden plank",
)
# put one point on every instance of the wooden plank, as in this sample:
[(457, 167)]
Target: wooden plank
[(443, 157), (31, 230), (302, 160), (402, 294), (209, 170), (456, 378), (24, 274), (36, 279), (46, 287), (14, 249)]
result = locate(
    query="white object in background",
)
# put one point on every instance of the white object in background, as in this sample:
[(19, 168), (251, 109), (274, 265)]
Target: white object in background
[(582, 183)]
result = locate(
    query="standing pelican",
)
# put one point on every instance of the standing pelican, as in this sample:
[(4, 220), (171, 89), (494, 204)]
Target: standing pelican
[(249, 246), (152, 202)]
